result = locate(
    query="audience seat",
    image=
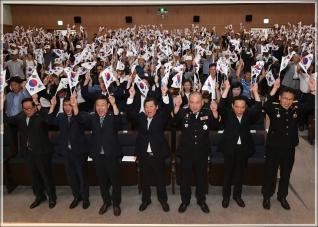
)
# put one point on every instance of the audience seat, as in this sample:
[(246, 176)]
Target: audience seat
[(8, 153)]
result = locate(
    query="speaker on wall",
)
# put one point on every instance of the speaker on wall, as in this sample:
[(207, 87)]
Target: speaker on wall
[(196, 18), (129, 19), (77, 20), (248, 17)]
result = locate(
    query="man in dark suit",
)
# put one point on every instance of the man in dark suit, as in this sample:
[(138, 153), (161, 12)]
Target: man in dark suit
[(194, 146), (236, 142), (282, 138), (73, 148), (105, 148), (36, 148), (151, 146)]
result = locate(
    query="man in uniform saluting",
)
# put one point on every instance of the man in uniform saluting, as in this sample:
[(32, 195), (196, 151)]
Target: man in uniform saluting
[(194, 146), (282, 139)]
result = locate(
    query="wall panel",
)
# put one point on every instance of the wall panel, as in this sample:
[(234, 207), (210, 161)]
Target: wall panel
[(180, 16)]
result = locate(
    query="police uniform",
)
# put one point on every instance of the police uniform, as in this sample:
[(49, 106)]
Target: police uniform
[(194, 149), (282, 138)]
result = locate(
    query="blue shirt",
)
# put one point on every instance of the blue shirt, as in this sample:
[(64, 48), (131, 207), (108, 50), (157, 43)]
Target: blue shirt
[(16, 103), (246, 88)]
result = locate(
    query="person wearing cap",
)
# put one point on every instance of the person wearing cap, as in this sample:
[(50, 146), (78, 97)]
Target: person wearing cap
[(35, 147), (141, 67), (15, 65), (217, 53), (49, 56), (279, 53), (189, 70), (261, 42), (206, 62)]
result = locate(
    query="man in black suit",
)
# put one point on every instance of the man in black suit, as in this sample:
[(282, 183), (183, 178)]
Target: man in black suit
[(194, 146), (105, 148), (36, 148), (73, 148), (282, 138), (236, 142), (151, 146)]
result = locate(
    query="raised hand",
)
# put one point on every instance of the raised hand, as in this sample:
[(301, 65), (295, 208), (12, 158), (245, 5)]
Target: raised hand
[(255, 88), (178, 101), (35, 98), (164, 89), (74, 100), (227, 85), (53, 101), (213, 106), (112, 100), (276, 84), (132, 92)]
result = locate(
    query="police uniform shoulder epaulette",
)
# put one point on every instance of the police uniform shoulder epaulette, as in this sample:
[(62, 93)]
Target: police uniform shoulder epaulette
[(276, 103), (295, 101)]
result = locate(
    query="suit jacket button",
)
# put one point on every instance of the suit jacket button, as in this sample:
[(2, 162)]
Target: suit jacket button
[(287, 134)]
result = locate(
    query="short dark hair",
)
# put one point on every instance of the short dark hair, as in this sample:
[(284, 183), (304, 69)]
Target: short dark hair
[(66, 99), (287, 89), (213, 64), (195, 93), (239, 97), (237, 85), (149, 99), (102, 97), (28, 100)]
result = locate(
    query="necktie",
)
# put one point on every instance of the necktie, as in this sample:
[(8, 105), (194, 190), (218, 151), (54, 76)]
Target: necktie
[(101, 120), (68, 141)]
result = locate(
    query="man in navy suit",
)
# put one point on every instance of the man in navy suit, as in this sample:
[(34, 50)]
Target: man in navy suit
[(151, 146), (236, 142), (105, 148), (73, 148)]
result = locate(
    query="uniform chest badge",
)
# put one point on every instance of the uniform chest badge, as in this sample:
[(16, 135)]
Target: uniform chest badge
[(205, 127), (204, 118), (295, 115), (186, 125), (278, 115)]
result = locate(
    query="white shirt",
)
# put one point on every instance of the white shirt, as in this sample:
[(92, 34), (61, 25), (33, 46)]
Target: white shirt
[(165, 99)]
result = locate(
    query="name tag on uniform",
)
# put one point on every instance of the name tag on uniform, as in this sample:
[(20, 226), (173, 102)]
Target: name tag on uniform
[(204, 118)]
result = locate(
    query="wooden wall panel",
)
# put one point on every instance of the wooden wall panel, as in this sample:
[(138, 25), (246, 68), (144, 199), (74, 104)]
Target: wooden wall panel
[(180, 16), (7, 28)]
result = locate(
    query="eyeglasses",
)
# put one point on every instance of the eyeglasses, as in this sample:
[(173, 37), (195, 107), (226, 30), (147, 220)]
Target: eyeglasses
[(286, 99), (27, 109)]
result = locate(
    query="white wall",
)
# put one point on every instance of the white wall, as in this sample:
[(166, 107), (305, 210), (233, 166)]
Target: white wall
[(7, 19)]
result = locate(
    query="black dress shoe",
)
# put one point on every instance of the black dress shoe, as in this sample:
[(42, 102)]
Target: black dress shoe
[(104, 208), (86, 203), (36, 203), (52, 203), (117, 211), (75, 203), (266, 203), (165, 207), (144, 205), (283, 202), (240, 202), (183, 207), (225, 203), (204, 207)]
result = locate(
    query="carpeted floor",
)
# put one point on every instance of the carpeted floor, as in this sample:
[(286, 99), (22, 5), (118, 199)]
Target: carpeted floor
[(301, 198)]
